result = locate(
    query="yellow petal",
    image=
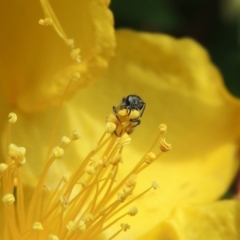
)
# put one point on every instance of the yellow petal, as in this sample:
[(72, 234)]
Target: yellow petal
[(36, 65), (213, 221), (183, 89)]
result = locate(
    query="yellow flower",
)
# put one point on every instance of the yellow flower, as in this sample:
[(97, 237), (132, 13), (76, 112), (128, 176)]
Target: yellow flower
[(174, 77)]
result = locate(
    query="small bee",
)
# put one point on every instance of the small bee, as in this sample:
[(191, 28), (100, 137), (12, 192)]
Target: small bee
[(131, 103)]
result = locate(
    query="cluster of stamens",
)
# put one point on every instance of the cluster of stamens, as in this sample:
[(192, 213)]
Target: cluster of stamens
[(82, 206)]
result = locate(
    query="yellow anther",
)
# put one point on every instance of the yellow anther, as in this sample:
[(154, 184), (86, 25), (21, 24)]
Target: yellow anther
[(12, 117), (81, 226), (110, 127), (76, 76), (88, 217), (64, 201), (133, 211), (71, 226), (17, 153), (90, 170), (66, 140), (83, 182), (163, 128), (124, 140), (116, 159), (75, 54), (53, 237), (155, 185), (164, 146), (8, 198), (57, 152), (125, 226), (65, 178), (37, 226), (94, 147), (45, 22), (75, 135), (150, 157), (131, 181), (46, 187), (3, 167)]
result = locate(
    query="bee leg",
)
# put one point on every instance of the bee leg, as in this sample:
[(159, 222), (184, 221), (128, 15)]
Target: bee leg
[(135, 120)]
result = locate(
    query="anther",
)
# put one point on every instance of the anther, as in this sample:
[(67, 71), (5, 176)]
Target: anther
[(88, 217), (116, 159), (163, 128), (90, 170), (124, 140), (75, 54), (57, 152), (131, 181), (66, 140), (164, 146), (45, 22), (75, 135), (155, 185), (110, 127), (65, 178), (125, 226), (75, 76), (3, 167), (81, 226), (83, 182), (37, 226), (64, 201), (17, 153), (71, 226), (8, 198), (133, 211), (53, 237), (12, 117), (150, 157), (46, 187), (94, 147)]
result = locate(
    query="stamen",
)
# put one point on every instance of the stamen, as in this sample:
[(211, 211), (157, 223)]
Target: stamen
[(133, 211), (17, 154), (8, 198), (3, 167), (71, 226), (75, 135), (75, 55), (163, 128), (150, 157), (45, 22), (164, 146), (37, 226), (53, 237), (81, 226), (12, 117), (124, 140), (57, 152)]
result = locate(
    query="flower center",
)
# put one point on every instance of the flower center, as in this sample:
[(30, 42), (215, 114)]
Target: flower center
[(82, 206)]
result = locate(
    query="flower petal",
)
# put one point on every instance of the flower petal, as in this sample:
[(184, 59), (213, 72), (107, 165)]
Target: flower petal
[(183, 89), (219, 220), (35, 63)]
